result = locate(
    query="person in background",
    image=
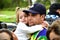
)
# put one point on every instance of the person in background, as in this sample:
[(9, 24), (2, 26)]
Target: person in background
[(54, 13), (54, 9), (5, 34), (53, 32)]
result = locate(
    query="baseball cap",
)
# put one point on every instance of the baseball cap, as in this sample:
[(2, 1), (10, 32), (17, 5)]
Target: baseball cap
[(37, 8)]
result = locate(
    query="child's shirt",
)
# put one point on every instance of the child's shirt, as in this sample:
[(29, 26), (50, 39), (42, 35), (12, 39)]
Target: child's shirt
[(23, 32)]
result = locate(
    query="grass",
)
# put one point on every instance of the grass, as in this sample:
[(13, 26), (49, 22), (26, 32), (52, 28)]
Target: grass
[(8, 16), (7, 12)]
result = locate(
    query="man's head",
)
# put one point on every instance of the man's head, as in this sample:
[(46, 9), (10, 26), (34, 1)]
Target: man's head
[(36, 14)]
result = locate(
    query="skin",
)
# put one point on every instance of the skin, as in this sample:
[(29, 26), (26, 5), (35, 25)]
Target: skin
[(54, 36), (23, 17), (14, 36), (58, 11), (35, 19), (4, 36)]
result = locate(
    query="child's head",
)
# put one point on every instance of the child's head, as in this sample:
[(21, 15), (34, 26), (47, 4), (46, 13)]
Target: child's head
[(21, 16), (53, 33)]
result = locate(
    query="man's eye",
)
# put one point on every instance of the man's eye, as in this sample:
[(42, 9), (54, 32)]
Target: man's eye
[(33, 15), (25, 16)]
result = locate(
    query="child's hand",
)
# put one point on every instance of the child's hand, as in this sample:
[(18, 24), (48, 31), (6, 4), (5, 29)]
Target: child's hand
[(45, 24)]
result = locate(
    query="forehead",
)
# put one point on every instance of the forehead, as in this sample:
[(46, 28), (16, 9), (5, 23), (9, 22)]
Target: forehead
[(4, 36), (22, 13)]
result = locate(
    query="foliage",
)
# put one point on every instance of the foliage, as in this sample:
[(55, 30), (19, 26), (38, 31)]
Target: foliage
[(7, 16), (12, 3), (45, 2)]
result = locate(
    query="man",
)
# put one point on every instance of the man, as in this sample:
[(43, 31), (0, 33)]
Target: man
[(36, 16)]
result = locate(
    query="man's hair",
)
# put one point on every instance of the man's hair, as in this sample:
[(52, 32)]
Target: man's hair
[(55, 27), (8, 32)]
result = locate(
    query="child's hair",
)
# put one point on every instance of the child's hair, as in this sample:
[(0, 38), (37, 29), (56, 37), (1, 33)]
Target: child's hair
[(17, 8), (55, 27), (17, 14)]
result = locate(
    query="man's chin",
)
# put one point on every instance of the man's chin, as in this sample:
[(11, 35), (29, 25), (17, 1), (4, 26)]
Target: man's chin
[(31, 24)]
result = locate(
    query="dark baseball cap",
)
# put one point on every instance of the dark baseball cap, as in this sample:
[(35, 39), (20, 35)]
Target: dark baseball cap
[(37, 8)]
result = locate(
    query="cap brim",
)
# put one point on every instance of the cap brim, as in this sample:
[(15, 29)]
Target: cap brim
[(30, 11)]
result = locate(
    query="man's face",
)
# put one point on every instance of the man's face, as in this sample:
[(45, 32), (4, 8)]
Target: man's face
[(4, 36), (34, 19), (54, 36)]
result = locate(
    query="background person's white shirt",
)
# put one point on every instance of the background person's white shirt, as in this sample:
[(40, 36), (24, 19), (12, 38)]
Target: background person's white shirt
[(23, 31)]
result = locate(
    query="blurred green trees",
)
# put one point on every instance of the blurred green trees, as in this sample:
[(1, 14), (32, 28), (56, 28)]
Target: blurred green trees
[(23, 3), (12, 3)]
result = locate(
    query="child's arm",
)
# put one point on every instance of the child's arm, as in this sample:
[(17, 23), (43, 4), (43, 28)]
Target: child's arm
[(26, 29)]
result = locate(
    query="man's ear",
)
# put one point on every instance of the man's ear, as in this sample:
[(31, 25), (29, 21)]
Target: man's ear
[(42, 16), (58, 11)]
